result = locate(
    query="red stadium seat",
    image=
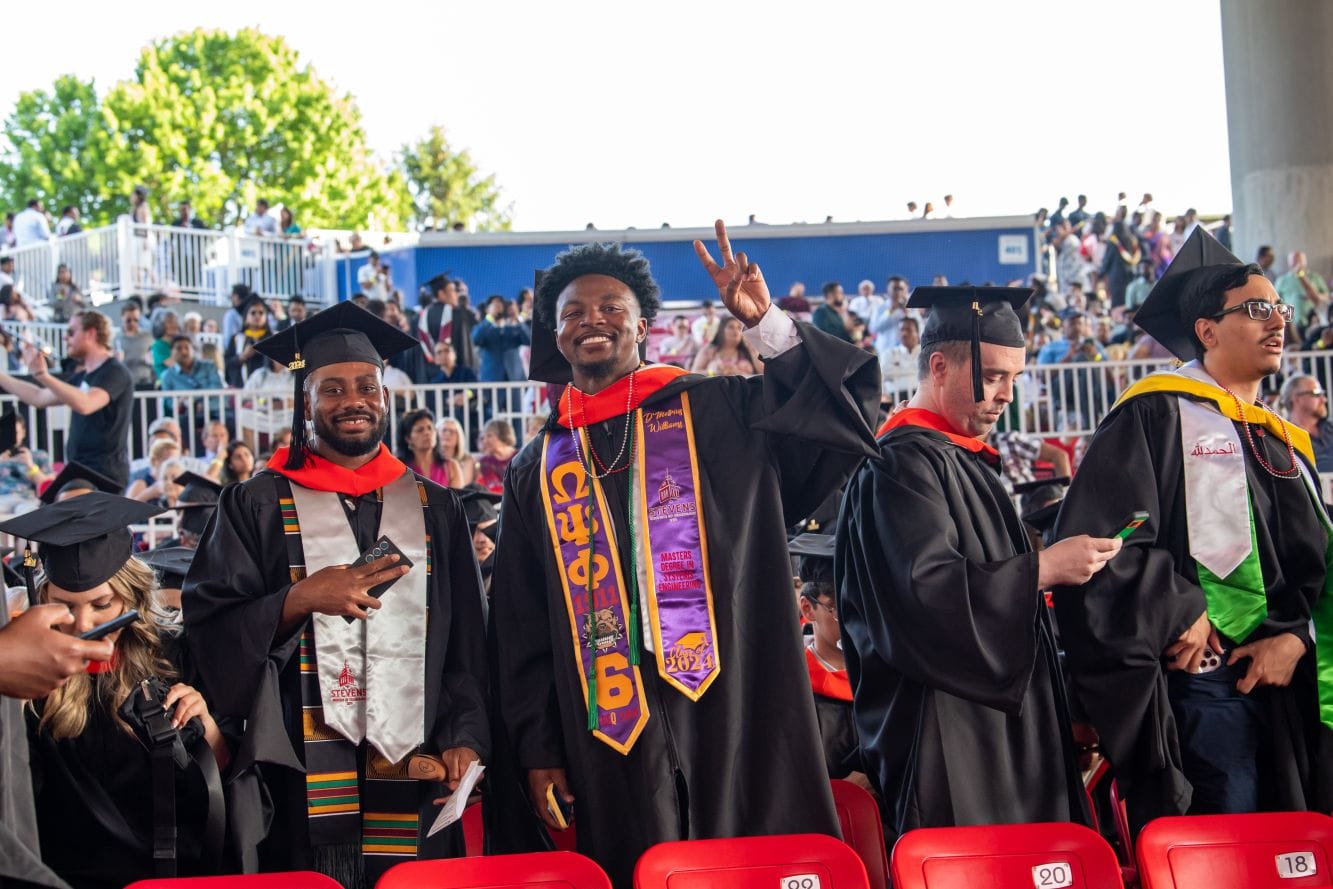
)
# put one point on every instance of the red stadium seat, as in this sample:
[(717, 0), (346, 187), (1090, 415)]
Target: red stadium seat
[(793, 861), (862, 829), (543, 870), (1005, 856), (1271, 849), (291, 880), (473, 831)]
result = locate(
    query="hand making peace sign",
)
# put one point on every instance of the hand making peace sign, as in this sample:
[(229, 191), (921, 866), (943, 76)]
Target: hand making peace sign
[(739, 281)]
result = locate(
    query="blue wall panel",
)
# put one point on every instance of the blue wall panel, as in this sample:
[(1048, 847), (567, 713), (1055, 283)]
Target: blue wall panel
[(962, 255)]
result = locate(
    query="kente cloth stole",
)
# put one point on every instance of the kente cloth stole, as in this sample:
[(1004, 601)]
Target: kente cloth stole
[(377, 811), (1219, 513), (670, 576)]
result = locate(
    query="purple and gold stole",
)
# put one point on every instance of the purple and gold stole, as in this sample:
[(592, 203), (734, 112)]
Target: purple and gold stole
[(666, 508)]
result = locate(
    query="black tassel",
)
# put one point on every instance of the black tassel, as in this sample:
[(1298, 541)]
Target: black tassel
[(296, 451), (977, 393)]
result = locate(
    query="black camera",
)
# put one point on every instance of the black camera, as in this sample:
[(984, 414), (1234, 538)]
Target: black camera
[(143, 712)]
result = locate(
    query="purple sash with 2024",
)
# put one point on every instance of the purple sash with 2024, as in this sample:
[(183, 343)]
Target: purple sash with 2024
[(585, 545), (675, 548)]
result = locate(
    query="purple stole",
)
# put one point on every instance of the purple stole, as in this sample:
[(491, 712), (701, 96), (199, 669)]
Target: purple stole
[(667, 538)]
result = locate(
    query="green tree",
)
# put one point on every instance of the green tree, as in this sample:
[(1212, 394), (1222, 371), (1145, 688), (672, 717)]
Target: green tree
[(217, 118), (225, 118), (55, 147), (447, 188)]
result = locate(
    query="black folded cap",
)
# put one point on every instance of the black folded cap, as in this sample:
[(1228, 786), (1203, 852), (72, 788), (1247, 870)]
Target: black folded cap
[(196, 502), (171, 562), (479, 504), (345, 332), (1197, 261), (84, 541), (809, 544), (197, 490), (816, 557), (75, 479), (1043, 520), (973, 315)]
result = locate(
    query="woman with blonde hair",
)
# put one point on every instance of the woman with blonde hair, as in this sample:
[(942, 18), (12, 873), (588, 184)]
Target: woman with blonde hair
[(418, 448), (92, 770), (452, 446)]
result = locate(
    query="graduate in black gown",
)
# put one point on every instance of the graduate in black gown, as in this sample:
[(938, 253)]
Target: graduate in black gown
[(823, 658), (263, 622), (958, 697), (92, 777), (729, 744), (1193, 653)]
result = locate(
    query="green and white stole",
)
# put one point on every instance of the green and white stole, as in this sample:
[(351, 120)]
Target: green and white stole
[(1219, 514), (363, 680)]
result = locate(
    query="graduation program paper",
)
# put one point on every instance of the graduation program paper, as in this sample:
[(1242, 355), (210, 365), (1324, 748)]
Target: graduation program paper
[(453, 809)]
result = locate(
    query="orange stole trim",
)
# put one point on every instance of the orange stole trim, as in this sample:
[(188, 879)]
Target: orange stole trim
[(610, 402)]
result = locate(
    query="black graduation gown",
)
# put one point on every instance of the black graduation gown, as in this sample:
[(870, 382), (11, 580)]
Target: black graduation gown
[(958, 697), (1115, 628), (232, 602), (746, 758), (94, 800)]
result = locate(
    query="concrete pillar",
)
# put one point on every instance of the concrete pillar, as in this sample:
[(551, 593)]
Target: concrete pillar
[(1279, 86)]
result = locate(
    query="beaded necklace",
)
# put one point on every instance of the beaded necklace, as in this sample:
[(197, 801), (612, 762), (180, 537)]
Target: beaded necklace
[(1295, 469), (575, 426)]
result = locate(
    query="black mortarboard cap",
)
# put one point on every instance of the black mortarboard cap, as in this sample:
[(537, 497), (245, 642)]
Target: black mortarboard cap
[(973, 315), (9, 432), (1160, 313), (197, 490), (197, 501), (1043, 520), (77, 477), (479, 504), (345, 332), (171, 562), (816, 557), (84, 541), (1038, 493)]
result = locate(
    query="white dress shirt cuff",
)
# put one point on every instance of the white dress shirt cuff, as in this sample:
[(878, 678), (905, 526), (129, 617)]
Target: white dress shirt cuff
[(774, 334)]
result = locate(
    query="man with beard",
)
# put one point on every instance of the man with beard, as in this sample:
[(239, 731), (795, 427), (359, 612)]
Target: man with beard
[(1194, 653), (649, 665), (957, 692), (360, 703)]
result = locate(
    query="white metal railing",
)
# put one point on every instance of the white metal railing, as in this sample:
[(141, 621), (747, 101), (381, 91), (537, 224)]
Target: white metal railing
[(199, 264), (1054, 400), (257, 416)]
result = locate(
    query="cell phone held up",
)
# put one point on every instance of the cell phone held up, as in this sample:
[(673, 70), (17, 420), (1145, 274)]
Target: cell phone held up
[(1130, 525), (102, 630), (378, 550)]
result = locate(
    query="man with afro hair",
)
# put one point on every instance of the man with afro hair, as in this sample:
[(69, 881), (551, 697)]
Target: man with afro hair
[(650, 669)]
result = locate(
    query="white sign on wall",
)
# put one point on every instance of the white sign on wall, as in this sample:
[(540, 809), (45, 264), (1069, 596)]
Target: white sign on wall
[(1014, 249)]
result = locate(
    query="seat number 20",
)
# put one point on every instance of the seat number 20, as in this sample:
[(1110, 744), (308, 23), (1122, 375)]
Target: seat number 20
[(1293, 865), (1052, 876)]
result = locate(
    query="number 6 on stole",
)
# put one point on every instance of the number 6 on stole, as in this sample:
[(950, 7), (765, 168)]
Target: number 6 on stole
[(614, 685)]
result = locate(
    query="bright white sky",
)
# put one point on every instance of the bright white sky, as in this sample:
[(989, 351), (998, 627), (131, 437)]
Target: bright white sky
[(627, 113)]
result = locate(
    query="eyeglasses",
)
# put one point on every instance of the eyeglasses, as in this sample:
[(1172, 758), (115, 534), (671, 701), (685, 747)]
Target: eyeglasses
[(1259, 310), (831, 609), (1313, 393)]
